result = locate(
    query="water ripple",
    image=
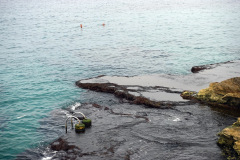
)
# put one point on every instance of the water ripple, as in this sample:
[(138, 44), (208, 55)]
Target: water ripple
[(43, 51)]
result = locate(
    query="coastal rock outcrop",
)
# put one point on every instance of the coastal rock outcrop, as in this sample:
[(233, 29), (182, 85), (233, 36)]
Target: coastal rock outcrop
[(136, 90), (122, 92), (225, 93), (229, 140), (196, 69)]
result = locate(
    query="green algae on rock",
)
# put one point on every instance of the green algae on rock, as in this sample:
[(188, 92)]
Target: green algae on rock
[(225, 93), (229, 141), (188, 94)]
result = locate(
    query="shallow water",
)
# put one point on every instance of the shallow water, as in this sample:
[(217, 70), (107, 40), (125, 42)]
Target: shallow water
[(43, 51)]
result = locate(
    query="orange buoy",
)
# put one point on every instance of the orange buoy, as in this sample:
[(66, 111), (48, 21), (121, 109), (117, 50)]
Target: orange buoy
[(81, 25), (103, 24)]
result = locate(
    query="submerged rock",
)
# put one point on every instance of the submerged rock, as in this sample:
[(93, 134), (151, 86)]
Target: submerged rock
[(196, 69), (229, 140), (225, 93)]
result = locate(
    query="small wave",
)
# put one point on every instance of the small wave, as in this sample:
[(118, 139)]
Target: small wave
[(21, 116), (48, 154), (74, 106)]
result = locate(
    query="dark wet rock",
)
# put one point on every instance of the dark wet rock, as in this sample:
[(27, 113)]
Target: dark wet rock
[(124, 132), (224, 94), (196, 69), (62, 145), (123, 92), (229, 140), (55, 146), (64, 150), (98, 87)]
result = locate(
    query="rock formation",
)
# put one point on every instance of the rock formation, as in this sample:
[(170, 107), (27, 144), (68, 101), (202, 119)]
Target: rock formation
[(196, 69), (132, 92), (225, 93), (229, 140)]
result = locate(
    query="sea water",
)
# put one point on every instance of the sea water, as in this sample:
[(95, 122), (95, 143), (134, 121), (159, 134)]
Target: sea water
[(43, 51)]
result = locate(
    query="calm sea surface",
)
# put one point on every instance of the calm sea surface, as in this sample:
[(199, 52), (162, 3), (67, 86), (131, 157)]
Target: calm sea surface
[(43, 51)]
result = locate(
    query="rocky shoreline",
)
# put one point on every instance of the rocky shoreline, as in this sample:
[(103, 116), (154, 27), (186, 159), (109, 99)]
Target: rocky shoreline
[(224, 94), (220, 94), (134, 94), (154, 91), (162, 91)]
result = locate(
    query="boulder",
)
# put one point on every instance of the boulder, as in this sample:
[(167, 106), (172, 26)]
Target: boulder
[(196, 69), (225, 93), (229, 140)]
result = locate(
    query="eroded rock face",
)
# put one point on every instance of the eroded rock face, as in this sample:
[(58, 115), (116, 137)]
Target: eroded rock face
[(229, 140), (225, 93)]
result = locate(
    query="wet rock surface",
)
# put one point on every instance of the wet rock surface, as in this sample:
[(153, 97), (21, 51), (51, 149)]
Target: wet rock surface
[(64, 150), (125, 131)]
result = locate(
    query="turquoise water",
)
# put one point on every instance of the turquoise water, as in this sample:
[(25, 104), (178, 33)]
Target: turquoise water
[(43, 51)]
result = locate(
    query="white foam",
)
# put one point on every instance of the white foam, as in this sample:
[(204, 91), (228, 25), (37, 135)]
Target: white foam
[(21, 116), (74, 106), (47, 158), (66, 113), (48, 154), (176, 119)]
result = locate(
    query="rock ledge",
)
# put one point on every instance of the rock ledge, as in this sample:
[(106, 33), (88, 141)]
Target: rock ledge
[(229, 140), (224, 94)]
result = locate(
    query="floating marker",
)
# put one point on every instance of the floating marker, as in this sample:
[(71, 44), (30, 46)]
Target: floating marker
[(81, 25)]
